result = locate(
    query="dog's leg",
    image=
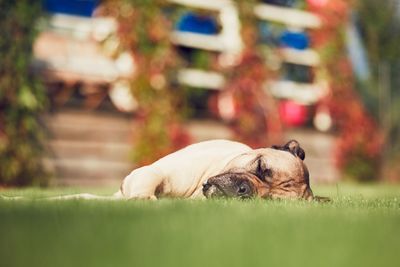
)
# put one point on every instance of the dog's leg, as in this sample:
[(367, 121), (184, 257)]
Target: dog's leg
[(66, 197), (10, 198), (141, 183), (84, 196)]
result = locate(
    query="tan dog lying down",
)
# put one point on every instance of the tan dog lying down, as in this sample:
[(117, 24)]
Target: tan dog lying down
[(222, 168), (219, 168)]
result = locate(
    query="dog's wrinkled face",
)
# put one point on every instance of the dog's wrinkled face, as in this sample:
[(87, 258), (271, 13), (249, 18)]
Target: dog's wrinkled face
[(277, 172), (232, 184)]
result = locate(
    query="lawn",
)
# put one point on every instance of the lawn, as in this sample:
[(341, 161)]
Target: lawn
[(361, 227)]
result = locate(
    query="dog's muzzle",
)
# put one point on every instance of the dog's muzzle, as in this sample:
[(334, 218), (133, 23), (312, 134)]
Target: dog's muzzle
[(211, 190), (231, 185)]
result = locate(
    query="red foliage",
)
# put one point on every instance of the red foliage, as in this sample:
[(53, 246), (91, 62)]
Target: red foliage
[(360, 139), (256, 120)]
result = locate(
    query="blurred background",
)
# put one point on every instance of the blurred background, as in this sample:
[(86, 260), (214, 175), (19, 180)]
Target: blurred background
[(91, 89)]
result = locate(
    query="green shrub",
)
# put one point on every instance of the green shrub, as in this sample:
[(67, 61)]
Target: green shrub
[(22, 96)]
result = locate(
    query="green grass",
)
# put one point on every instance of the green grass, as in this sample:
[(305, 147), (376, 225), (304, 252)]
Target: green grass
[(361, 227)]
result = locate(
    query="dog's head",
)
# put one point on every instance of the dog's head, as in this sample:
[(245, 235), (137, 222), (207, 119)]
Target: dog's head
[(276, 172)]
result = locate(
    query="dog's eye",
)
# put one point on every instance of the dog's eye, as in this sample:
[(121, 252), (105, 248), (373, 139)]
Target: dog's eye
[(262, 171), (243, 189), (288, 184)]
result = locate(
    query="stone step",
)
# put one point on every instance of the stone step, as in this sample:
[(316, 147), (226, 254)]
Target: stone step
[(89, 118), (88, 169), (314, 143), (202, 130), (89, 127), (319, 157), (321, 170), (77, 149), (92, 148)]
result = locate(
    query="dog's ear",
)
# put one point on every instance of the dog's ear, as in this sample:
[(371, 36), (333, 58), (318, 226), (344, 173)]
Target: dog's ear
[(293, 147)]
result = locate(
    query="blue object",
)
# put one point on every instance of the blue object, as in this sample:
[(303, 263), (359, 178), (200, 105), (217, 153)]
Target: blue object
[(83, 8), (296, 40), (192, 22), (356, 50)]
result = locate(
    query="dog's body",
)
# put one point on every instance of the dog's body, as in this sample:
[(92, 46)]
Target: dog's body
[(182, 173), (222, 168)]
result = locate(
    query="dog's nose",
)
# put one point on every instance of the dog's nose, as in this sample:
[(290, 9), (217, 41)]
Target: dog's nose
[(206, 186)]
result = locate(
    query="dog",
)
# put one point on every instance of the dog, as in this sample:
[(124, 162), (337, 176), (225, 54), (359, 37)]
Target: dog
[(219, 168), (222, 168)]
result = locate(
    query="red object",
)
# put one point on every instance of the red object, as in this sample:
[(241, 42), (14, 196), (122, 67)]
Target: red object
[(317, 3), (292, 113)]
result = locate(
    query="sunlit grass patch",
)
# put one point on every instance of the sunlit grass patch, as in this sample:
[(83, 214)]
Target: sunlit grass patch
[(360, 227)]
